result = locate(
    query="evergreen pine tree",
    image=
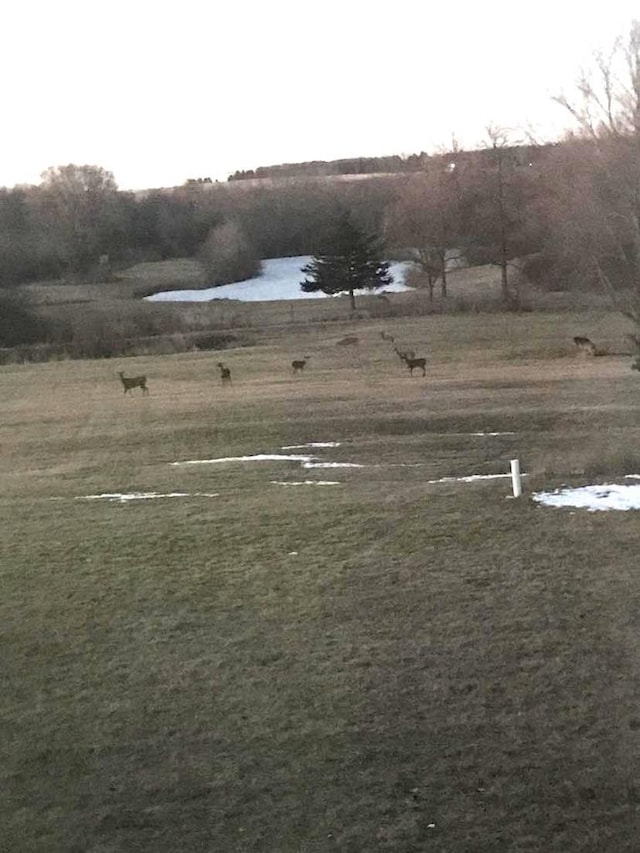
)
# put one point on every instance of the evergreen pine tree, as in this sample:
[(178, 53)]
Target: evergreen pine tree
[(352, 263)]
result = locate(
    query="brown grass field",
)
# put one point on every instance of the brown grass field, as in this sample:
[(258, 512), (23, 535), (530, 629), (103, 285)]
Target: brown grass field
[(387, 664)]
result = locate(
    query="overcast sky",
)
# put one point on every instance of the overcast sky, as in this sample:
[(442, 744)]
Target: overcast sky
[(157, 92)]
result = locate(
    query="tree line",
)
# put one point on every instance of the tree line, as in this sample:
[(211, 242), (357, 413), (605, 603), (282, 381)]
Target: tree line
[(547, 204), (347, 166), (77, 216)]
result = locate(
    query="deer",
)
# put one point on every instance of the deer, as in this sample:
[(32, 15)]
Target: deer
[(387, 337), (225, 374), (298, 365), (415, 362), (130, 382)]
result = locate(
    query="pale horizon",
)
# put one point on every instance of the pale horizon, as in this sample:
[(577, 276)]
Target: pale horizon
[(158, 93)]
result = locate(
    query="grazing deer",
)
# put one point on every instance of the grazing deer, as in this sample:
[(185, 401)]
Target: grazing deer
[(225, 374), (298, 365), (387, 337), (130, 382), (415, 362)]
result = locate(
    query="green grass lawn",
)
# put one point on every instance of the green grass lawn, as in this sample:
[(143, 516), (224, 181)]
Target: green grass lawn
[(387, 664)]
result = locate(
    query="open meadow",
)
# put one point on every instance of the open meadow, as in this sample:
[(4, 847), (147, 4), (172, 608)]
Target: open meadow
[(268, 655)]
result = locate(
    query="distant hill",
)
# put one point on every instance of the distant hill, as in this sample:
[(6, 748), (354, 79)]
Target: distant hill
[(370, 166), (325, 168)]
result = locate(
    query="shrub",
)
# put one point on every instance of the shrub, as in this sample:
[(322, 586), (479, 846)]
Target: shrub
[(19, 324), (227, 255), (212, 340)]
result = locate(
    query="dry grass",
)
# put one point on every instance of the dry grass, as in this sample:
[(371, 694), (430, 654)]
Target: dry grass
[(186, 271), (385, 665), (470, 289), (111, 319)]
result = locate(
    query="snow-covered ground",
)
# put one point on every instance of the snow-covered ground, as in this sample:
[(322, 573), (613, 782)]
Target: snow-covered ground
[(280, 279), (601, 497)]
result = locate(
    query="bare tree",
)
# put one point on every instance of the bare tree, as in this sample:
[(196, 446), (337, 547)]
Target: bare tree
[(424, 217), (498, 188), (78, 206), (606, 101), (499, 142), (606, 111)]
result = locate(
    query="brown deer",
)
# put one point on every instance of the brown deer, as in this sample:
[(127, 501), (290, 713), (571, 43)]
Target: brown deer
[(130, 382), (298, 365), (415, 362), (225, 374)]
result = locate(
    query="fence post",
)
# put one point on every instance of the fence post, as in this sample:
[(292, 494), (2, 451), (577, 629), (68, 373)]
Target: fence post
[(516, 479)]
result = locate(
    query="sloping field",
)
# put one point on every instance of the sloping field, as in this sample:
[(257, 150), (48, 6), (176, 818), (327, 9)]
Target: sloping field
[(304, 655)]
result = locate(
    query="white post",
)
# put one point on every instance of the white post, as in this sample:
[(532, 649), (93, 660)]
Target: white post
[(516, 480)]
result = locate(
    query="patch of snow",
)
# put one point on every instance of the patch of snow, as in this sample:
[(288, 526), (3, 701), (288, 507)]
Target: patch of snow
[(304, 460), (331, 465), (306, 483), (491, 433), (608, 496), (472, 478), (120, 497), (280, 279), (311, 444), (258, 457)]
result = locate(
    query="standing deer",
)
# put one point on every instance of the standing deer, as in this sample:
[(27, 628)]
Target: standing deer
[(298, 365), (130, 382), (225, 374), (415, 362)]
